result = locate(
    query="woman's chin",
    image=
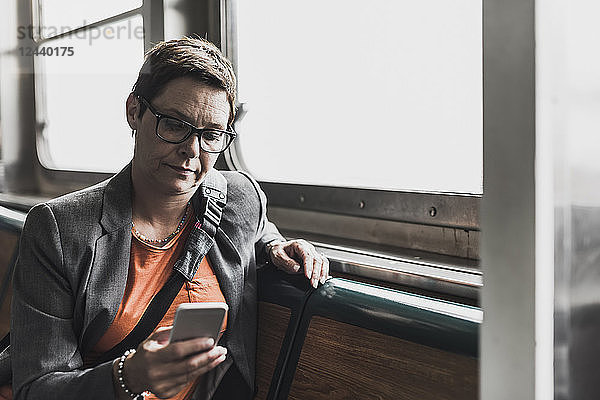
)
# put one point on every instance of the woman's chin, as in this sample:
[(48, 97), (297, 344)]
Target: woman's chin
[(182, 186)]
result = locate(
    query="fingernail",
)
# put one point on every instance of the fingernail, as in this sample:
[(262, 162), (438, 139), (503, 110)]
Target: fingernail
[(210, 342), (314, 283), (322, 279), (217, 351)]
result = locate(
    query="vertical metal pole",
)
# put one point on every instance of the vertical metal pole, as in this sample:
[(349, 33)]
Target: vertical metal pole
[(508, 206), (18, 123), (154, 22)]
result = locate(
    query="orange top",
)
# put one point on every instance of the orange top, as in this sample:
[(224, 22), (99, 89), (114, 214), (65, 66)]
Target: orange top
[(149, 269)]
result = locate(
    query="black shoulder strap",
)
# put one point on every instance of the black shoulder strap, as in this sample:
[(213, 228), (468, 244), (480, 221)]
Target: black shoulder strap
[(211, 207), (152, 316)]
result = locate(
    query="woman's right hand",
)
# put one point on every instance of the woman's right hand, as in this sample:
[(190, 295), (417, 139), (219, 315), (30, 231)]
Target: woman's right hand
[(166, 368)]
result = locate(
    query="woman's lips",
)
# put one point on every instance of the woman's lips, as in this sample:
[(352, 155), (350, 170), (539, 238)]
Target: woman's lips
[(181, 170)]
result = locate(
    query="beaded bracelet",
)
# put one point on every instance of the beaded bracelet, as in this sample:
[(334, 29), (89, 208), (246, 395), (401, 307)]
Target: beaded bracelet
[(135, 396)]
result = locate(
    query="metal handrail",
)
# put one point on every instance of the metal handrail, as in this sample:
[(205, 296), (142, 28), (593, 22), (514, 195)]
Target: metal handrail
[(11, 220)]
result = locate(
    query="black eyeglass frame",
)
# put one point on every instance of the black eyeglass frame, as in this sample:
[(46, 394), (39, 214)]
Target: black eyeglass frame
[(193, 130)]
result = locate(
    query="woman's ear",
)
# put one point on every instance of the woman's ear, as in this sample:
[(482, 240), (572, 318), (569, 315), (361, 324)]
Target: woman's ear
[(132, 110)]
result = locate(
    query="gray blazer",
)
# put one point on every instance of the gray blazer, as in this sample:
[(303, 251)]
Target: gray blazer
[(72, 270)]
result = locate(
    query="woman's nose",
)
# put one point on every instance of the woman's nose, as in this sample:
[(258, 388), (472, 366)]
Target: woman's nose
[(191, 147)]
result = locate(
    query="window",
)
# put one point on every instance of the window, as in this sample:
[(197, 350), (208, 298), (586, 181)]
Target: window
[(383, 95), (83, 80)]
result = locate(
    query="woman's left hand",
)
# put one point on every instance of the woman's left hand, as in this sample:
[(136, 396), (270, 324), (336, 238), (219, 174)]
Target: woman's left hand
[(295, 256)]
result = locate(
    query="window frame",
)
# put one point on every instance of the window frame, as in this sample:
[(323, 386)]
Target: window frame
[(434, 209)]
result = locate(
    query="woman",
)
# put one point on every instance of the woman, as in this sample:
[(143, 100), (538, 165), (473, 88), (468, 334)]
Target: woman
[(90, 262)]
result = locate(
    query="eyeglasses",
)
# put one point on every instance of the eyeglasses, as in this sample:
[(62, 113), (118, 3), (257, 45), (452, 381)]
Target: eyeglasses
[(175, 131)]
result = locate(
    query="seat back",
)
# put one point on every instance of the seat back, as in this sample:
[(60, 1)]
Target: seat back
[(355, 340)]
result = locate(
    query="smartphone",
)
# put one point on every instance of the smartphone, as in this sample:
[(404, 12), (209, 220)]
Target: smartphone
[(195, 320)]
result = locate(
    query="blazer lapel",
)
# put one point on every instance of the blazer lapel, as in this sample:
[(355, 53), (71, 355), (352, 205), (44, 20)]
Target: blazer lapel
[(110, 266), (106, 284)]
